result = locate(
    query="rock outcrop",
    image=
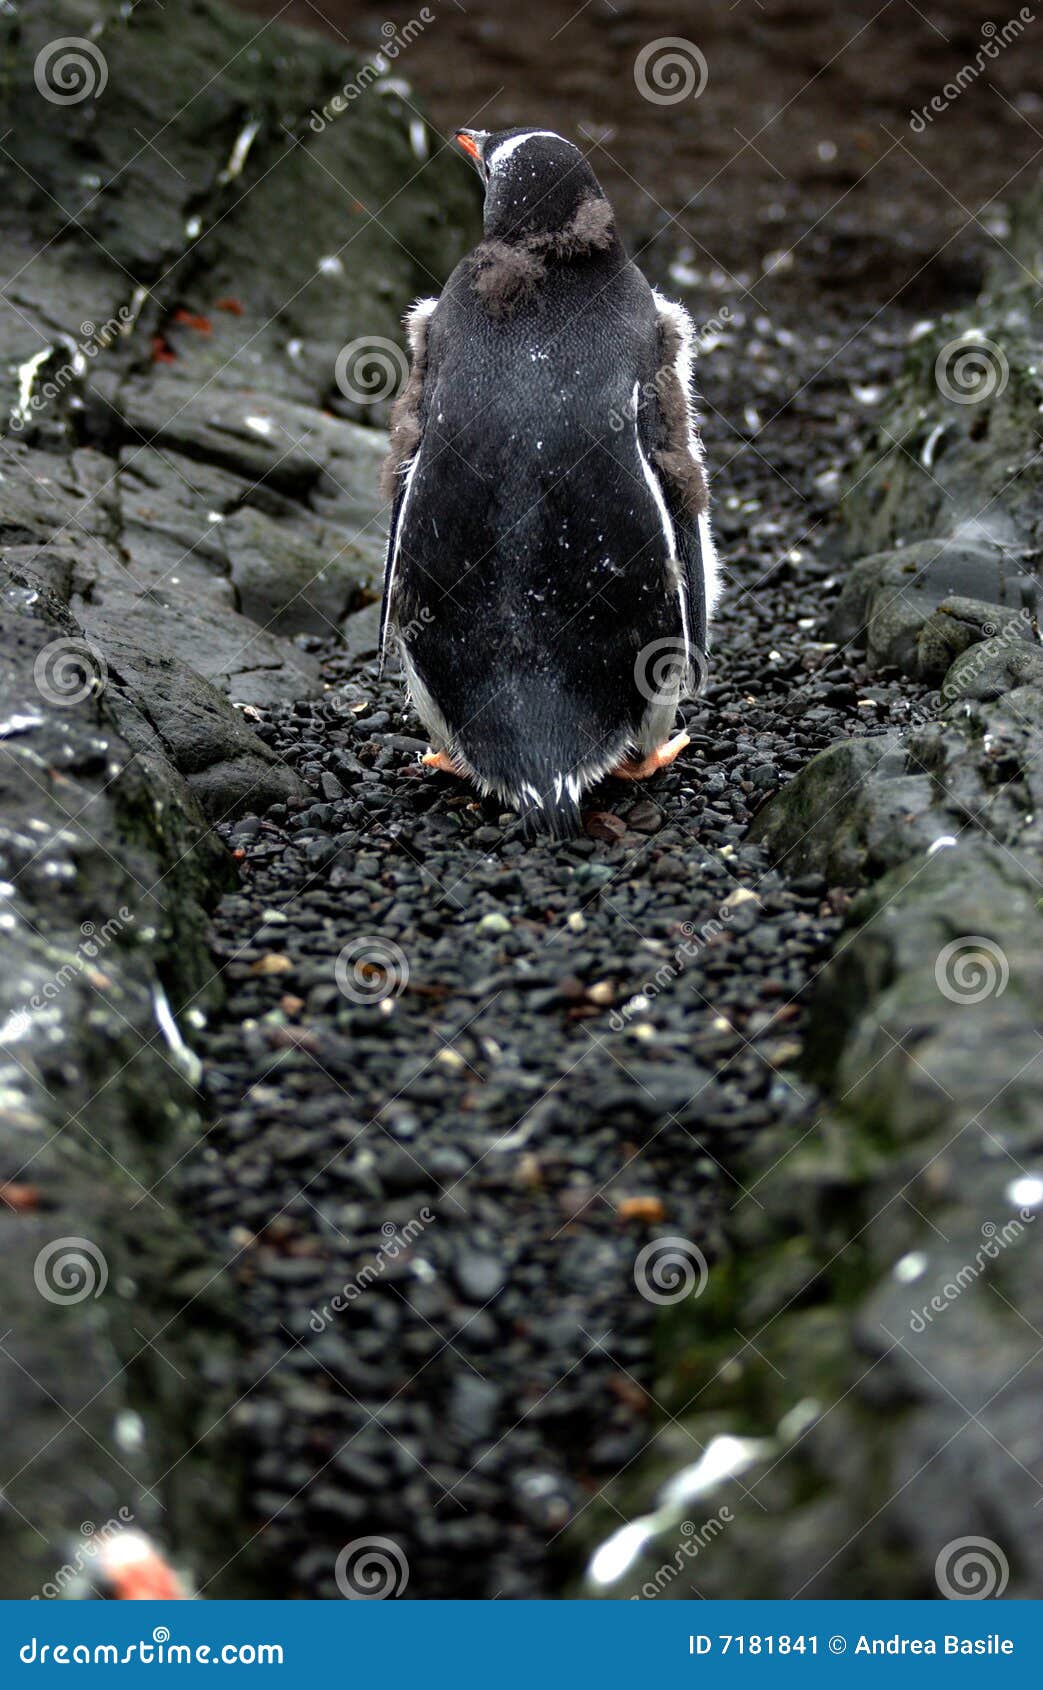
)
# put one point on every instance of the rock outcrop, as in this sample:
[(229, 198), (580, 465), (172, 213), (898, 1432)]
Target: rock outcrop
[(857, 1390), (188, 457)]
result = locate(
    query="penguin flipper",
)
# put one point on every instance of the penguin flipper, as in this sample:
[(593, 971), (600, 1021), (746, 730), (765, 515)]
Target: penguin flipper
[(677, 453), (407, 428)]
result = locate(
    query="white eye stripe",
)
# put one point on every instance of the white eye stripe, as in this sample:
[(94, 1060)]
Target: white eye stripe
[(506, 148)]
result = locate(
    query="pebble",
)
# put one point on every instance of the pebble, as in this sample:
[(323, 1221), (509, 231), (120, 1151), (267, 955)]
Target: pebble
[(479, 1277), (493, 924)]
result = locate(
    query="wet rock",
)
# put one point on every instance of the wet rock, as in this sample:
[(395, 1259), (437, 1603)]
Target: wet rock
[(227, 767), (954, 458), (107, 869), (888, 598), (848, 813), (959, 623), (242, 512)]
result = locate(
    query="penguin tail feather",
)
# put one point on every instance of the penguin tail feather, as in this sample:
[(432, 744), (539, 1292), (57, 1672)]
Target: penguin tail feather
[(555, 812), (532, 745)]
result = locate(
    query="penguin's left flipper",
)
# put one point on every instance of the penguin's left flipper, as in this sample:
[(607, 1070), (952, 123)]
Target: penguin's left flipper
[(656, 760), (408, 416)]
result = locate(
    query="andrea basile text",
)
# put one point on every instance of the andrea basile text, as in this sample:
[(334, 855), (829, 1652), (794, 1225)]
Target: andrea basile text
[(807, 1643)]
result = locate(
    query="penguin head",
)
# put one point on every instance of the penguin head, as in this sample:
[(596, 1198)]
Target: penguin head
[(538, 185)]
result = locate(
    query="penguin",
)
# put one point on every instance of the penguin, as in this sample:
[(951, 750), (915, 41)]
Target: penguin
[(550, 572)]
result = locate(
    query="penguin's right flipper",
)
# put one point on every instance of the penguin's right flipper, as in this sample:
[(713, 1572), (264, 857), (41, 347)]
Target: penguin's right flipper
[(668, 422), (408, 416)]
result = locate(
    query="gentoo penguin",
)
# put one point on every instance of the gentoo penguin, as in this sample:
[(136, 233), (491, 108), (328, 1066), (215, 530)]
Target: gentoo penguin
[(550, 571)]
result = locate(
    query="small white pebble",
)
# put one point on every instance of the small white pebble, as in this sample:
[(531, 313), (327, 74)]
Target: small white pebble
[(910, 1268), (1026, 1193), (741, 895)]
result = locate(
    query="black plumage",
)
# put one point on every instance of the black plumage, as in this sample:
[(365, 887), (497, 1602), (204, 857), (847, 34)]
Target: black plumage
[(549, 534)]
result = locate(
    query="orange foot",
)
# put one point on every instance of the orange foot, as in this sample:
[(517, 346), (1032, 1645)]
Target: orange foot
[(656, 760), (442, 761)]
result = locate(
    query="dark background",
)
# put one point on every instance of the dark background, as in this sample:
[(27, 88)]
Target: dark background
[(800, 142)]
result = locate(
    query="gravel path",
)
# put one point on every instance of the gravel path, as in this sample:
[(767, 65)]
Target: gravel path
[(474, 1154)]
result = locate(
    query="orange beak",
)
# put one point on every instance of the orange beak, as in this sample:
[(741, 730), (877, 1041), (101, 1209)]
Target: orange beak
[(467, 142)]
